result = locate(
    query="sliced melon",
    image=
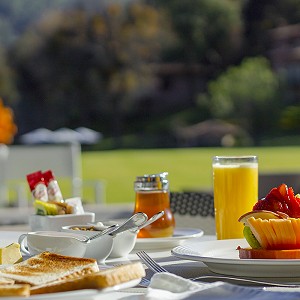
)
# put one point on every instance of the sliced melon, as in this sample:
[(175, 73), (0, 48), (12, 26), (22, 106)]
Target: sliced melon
[(258, 232), (296, 227), (270, 233)]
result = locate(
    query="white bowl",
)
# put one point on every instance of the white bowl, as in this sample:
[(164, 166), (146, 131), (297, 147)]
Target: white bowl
[(54, 223), (65, 243), (99, 248), (123, 243)]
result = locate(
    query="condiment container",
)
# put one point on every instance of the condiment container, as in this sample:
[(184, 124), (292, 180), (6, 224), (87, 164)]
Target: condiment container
[(152, 196)]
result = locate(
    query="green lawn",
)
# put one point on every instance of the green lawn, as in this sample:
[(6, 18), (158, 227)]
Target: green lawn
[(189, 168)]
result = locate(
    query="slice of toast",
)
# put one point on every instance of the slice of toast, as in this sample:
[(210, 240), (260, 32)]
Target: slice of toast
[(99, 280), (15, 290), (6, 281), (47, 267)]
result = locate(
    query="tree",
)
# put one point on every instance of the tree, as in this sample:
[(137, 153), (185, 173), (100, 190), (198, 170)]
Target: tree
[(247, 95), (262, 15), (208, 36), (8, 90), (86, 67), (209, 31)]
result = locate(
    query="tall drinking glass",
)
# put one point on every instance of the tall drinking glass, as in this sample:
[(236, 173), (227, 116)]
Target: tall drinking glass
[(235, 181)]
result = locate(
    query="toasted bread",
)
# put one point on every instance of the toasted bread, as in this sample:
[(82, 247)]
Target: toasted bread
[(99, 280), (15, 290), (6, 281), (47, 267)]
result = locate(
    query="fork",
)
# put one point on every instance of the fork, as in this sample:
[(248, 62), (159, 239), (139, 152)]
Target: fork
[(156, 268), (150, 263)]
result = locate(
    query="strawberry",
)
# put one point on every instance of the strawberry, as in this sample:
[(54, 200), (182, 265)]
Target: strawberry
[(294, 204), (271, 204), (274, 194), (283, 190), (280, 199)]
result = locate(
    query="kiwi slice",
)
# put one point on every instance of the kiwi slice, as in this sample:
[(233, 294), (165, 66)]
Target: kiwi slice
[(251, 239)]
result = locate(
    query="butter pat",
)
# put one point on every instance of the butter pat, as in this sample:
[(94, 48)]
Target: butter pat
[(10, 254)]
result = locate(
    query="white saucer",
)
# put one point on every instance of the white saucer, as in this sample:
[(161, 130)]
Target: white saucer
[(180, 235)]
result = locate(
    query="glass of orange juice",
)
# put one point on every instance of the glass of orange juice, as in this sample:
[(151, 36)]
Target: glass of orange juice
[(235, 180)]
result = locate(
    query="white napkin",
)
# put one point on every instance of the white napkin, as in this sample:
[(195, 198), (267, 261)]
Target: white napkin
[(169, 286)]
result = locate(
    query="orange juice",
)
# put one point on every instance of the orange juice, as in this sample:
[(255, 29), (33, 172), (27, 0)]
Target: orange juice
[(235, 193)]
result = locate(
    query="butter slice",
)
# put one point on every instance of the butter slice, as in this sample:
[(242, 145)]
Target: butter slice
[(10, 254)]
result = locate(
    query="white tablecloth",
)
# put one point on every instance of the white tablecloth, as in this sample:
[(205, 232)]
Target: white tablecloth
[(183, 268)]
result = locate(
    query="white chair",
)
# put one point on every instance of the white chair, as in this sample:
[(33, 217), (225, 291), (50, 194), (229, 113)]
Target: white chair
[(63, 159)]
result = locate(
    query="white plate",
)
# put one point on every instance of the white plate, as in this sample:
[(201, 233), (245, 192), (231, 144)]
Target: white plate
[(222, 257), (79, 294), (180, 235)]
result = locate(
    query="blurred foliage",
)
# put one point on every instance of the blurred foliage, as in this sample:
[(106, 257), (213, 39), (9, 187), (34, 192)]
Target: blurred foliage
[(17, 15), (90, 66), (209, 31), (8, 128), (93, 63), (290, 119), (263, 15), (247, 95), (7, 80)]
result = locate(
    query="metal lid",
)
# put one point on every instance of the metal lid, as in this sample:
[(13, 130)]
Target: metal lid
[(150, 182)]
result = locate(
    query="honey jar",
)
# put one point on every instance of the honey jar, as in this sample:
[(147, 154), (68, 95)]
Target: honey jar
[(152, 196)]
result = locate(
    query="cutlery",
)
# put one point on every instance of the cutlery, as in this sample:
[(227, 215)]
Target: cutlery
[(156, 268), (151, 220), (108, 230), (144, 282), (133, 222), (150, 263)]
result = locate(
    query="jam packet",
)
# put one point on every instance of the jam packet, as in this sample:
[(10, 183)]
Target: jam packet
[(53, 189), (37, 186)]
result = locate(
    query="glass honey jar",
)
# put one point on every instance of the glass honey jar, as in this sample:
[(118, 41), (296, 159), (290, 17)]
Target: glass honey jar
[(152, 196)]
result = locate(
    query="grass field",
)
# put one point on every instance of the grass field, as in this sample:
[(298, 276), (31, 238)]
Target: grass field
[(189, 168)]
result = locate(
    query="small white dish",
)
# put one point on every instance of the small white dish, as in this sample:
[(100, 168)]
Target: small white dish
[(221, 257), (38, 223), (123, 243), (179, 236), (64, 243)]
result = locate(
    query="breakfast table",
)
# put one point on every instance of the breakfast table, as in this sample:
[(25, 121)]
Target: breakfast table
[(182, 268)]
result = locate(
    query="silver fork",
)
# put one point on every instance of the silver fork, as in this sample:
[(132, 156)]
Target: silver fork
[(156, 268), (150, 263), (144, 282)]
